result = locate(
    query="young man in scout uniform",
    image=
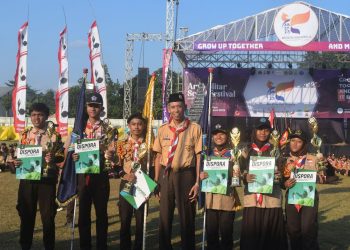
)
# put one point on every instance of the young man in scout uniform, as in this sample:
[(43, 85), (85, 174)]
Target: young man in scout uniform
[(178, 146), (31, 192), (220, 208), (94, 188), (302, 221), (127, 150)]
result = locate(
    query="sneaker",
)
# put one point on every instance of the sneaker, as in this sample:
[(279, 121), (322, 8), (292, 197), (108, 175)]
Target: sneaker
[(59, 209)]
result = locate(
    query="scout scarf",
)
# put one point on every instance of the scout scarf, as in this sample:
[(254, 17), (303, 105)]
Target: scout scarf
[(176, 131), (299, 164), (259, 197), (135, 147), (220, 153)]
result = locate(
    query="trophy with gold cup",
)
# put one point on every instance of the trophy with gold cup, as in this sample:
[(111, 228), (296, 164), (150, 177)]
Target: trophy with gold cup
[(275, 152), (235, 136), (110, 138), (52, 146), (135, 165), (316, 141)]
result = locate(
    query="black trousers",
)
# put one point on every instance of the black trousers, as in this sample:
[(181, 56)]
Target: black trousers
[(29, 194), (96, 192), (219, 223), (126, 211), (175, 188), (302, 226), (262, 229)]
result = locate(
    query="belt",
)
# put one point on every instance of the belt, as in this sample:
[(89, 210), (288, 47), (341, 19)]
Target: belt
[(187, 168)]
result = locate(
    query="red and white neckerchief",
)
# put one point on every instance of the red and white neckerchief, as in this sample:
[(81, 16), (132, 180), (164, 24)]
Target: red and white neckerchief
[(298, 165), (91, 133), (135, 147), (176, 131), (221, 152), (259, 197)]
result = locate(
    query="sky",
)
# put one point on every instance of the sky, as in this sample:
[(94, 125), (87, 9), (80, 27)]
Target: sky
[(115, 18)]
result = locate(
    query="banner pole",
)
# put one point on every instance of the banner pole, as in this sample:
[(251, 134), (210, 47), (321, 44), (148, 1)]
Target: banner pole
[(73, 225)]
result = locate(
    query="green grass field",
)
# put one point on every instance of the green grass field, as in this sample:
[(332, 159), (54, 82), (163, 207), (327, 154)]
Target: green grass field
[(334, 219)]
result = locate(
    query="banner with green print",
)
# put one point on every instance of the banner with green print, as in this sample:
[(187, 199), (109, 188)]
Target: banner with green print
[(31, 157), (303, 192), (263, 168), (89, 156)]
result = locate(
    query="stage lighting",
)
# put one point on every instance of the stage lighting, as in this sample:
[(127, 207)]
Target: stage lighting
[(290, 65), (269, 66), (252, 71)]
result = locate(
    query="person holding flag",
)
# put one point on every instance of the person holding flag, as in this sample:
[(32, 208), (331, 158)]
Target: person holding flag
[(94, 188), (262, 222), (302, 221), (220, 209), (127, 151), (31, 192), (177, 165)]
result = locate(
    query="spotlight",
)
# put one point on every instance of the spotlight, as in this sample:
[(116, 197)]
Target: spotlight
[(290, 65), (252, 71), (269, 66)]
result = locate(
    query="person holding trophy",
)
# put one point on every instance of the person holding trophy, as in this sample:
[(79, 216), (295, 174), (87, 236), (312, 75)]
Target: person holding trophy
[(178, 147), (221, 208), (131, 152), (263, 222), (302, 220), (30, 192), (94, 187)]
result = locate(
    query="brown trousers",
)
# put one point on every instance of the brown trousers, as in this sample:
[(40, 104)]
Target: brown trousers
[(175, 187)]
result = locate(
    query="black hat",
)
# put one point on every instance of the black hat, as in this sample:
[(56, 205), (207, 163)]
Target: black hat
[(176, 97), (298, 133), (218, 128), (263, 123), (94, 98)]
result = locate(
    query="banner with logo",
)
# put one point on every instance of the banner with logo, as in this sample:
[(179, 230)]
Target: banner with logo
[(62, 91), (31, 157), (97, 71), (89, 156), (303, 192), (295, 93), (20, 89)]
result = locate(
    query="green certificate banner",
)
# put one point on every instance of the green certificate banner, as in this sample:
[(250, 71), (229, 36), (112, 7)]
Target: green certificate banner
[(31, 157), (89, 156), (263, 168)]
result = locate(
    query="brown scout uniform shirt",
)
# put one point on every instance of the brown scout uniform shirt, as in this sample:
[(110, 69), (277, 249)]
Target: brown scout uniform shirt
[(273, 200), (189, 144), (310, 163)]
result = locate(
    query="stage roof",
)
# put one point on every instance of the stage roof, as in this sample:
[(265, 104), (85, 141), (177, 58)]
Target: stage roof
[(333, 27)]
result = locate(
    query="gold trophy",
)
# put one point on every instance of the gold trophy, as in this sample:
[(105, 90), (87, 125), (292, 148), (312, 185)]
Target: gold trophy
[(275, 152), (110, 136), (316, 141), (51, 146), (235, 136), (136, 165)]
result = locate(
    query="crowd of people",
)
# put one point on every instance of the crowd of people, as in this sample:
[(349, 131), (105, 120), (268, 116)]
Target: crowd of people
[(7, 155), (177, 156)]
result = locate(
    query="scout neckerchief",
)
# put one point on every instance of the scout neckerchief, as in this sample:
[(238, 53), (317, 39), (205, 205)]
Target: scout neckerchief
[(90, 133), (135, 144), (176, 131), (220, 153), (259, 197), (298, 165)]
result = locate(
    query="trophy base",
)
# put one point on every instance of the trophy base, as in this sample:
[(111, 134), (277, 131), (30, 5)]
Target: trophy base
[(128, 188), (235, 182)]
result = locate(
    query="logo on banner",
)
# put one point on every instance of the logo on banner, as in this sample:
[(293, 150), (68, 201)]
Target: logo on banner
[(296, 25), (273, 93)]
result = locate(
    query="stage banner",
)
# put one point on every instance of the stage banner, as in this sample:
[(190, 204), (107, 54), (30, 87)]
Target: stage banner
[(98, 77), (295, 93), (20, 89), (166, 62), (62, 91)]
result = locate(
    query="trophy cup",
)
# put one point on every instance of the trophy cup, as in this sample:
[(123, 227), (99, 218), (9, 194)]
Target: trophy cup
[(50, 147), (110, 136), (316, 141), (135, 165), (274, 139), (236, 153)]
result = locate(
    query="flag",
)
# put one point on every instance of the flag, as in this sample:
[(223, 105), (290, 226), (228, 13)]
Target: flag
[(62, 91), (98, 77), (284, 138), (20, 89), (67, 186), (148, 110), (272, 117), (166, 62)]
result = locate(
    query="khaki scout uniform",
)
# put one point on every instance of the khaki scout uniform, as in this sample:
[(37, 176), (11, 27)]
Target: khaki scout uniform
[(262, 225), (125, 151), (302, 226), (43, 191), (176, 185)]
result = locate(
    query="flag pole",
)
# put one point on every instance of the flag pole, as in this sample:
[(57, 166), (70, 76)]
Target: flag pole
[(211, 70), (149, 141)]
